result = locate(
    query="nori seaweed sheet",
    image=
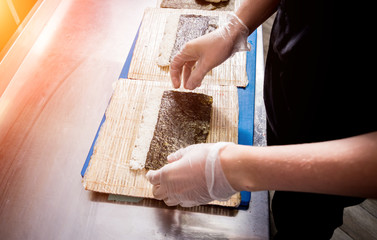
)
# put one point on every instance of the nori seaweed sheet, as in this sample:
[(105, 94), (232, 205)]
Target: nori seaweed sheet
[(183, 119), (198, 4), (191, 26)]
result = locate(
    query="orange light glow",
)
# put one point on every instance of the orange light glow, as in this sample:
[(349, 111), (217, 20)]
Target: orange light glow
[(12, 13)]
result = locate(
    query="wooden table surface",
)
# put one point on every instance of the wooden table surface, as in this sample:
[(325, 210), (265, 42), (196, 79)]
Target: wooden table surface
[(49, 115)]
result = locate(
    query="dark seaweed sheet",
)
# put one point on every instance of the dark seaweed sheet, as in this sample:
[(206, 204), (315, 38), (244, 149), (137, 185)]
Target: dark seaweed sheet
[(198, 4), (183, 119), (191, 26)]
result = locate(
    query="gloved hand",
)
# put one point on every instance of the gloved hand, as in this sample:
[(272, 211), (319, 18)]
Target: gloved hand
[(194, 176), (208, 51)]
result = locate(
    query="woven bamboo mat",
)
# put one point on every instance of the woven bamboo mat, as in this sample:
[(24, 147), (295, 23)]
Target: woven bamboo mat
[(151, 32), (233, 5), (109, 167)]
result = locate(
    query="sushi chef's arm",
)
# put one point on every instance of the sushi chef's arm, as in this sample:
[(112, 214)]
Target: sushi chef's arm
[(200, 55), (193, 176), (201, 173), (343, 167)]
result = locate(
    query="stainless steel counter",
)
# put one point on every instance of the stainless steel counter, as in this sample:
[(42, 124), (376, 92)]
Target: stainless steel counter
[(49, 115)]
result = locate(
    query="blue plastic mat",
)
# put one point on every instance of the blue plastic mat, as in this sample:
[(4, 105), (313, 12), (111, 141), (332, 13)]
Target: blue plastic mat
[(246, 100)]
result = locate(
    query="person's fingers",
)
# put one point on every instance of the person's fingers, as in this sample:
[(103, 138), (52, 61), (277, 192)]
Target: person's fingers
[(171, 201), (176, 67), (187, 55), (175, 156), (175, 75), (187, 68), (159, 192), (154, 176), (189, 204), (177, 64), (196, 77)]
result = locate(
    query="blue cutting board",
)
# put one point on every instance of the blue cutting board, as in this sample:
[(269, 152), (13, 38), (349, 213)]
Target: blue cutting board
[(246, 101)]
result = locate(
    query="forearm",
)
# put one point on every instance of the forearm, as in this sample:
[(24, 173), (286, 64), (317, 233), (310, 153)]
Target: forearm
[(254, 12), (344, 167)]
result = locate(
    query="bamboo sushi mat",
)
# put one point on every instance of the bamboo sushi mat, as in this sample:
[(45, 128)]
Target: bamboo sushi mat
[(144, 66), (236, 3), (109, 170)]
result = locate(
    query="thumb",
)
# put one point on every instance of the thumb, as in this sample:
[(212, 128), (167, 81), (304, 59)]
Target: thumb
[(154, 176), (175, 156)]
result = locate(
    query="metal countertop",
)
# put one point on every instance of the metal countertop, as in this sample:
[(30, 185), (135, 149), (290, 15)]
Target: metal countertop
[(49, 115)]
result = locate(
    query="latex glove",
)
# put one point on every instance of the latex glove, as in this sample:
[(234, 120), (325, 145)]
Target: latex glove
[(193, 177), (200, 55)]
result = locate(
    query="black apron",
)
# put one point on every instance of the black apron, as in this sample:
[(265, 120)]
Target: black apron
[(319, 85)]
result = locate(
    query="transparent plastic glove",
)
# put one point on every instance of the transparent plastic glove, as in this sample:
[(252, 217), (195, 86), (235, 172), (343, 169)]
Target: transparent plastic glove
[(200, 55), (193, 177)]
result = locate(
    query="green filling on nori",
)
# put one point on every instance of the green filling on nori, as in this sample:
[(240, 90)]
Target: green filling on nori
[(183, 119)]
